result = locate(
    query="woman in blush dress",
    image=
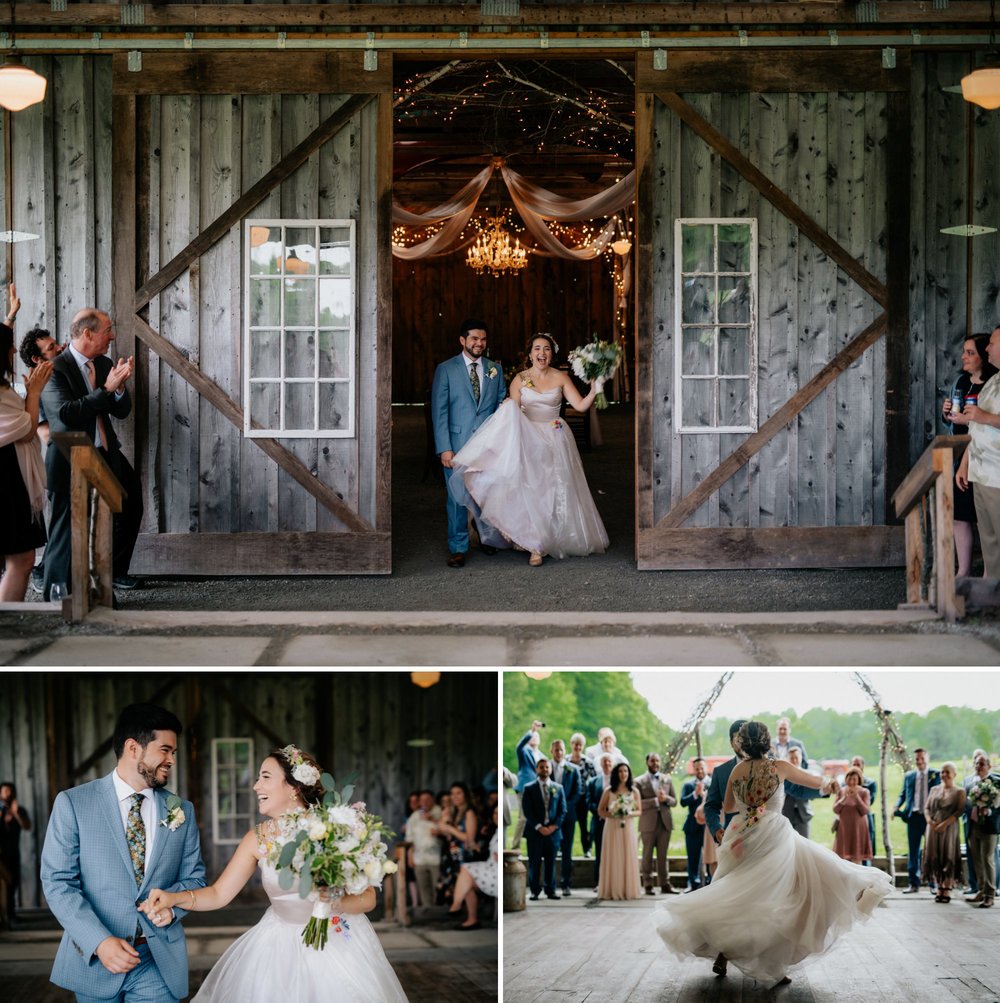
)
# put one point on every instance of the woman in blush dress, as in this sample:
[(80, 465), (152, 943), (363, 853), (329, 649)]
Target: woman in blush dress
[(852, 841), (942, 859), (522, 472), (619, 874), (270, 961), (776, 898)]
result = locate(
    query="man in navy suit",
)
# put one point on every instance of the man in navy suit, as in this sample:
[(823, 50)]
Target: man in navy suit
[(910, 807), (467, 389), (694, 831), (568, 777), (544, 805), (85, 392)]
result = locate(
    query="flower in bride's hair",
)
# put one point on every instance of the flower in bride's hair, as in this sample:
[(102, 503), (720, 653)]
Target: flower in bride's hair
[(306, 774)]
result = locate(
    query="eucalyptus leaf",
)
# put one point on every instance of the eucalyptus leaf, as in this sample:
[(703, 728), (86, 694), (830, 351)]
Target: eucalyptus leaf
[(286, 879), (347, 792), (305, 884), (287, 853), (328, 782)]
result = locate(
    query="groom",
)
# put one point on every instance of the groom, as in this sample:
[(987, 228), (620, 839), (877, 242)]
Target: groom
[(467, 389), (108, 841)]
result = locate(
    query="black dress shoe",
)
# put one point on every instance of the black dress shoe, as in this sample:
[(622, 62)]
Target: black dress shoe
[(456, 560), (649, 891), (551, 895), (668, 890), (487, 549), (566, 893), (533, 898)]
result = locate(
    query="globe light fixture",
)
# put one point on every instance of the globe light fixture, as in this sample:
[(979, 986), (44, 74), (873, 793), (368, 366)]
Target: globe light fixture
[(425, 679), (20, 87), (982, 87)]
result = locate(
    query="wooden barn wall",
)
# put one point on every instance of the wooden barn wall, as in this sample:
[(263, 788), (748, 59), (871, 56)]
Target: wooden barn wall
[(827, 152), (355, 723), (571, 300)]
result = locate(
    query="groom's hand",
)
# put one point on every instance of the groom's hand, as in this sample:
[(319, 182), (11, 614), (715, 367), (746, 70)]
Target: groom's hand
[(719, 833), (446, 457), (117, 955)]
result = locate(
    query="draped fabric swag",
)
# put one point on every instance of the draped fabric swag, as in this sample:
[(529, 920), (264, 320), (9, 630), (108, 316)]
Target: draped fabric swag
[(534, 204)]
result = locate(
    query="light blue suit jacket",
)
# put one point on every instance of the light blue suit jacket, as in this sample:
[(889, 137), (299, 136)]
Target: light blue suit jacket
[(455, 412), (90, 886)]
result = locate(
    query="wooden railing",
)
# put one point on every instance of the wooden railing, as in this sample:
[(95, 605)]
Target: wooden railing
[(930, 569), (89, 471)]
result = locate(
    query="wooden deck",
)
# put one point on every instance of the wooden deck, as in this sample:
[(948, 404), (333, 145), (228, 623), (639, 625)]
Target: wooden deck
[(577, 951)]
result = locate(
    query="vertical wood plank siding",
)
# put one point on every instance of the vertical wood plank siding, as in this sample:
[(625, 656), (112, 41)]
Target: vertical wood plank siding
[(354, 723)]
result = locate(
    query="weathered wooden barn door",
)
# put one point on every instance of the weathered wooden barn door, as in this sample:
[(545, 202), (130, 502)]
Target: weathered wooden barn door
[(772, 310), (205, 145)]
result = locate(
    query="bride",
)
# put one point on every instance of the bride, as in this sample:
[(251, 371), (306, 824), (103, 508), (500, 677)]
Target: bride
[(270, 962), (776, 897), (523, 471)]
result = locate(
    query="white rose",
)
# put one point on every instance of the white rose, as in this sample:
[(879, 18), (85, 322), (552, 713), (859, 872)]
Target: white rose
[(179, 817), (346, 844), (356, 885), (316, 830), (342, 815), (306, 774), (390, 867), (373, 870)]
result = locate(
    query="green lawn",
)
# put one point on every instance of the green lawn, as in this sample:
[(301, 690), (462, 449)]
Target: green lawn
[(819, 830)]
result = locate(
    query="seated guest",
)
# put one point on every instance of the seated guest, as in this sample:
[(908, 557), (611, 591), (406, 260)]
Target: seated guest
[(477, 875), (942, 861), (588, 771), (424, 856), (872, 788)]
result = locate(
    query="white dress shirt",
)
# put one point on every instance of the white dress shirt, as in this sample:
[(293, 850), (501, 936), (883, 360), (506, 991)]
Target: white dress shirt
[(124, 793)]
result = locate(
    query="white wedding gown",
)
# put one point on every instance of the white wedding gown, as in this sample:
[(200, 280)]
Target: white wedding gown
[(523, 472), (270, 962), (776, 897)]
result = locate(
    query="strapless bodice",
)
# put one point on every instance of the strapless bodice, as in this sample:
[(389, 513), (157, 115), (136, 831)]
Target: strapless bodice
[(541, 405), (287, 906)]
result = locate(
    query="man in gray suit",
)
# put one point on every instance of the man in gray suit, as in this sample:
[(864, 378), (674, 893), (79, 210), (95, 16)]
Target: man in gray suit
[(467, 389), (108, 842)]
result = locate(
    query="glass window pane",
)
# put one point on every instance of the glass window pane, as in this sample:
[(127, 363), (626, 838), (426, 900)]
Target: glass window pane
[(265, 250), (300, 302), (698, 301), (334, 401), (696, 247), (335, 250), (300, 352), (734, 351), (698, 351), (265, 302), (734, 300), (334, 302), (299, 405), (334, 354), (243, 753), (300, 250), (265, 401), (265, 354), (698, 409), (734, 247), (226, 828), (734, 402), (225, 781)]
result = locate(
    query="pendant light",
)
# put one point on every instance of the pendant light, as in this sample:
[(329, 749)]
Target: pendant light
[(20, 87), (982, 86)]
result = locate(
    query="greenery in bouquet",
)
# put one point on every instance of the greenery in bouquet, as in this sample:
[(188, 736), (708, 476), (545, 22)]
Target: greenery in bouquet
[(334, 849), (985, 796), (596, 362)]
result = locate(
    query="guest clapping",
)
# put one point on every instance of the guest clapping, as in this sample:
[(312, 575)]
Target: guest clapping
[(942, 860), (851, 806), (655, 791), (619, 869)]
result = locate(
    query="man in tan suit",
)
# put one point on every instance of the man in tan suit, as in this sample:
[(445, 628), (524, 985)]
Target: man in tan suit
[(655, 823)]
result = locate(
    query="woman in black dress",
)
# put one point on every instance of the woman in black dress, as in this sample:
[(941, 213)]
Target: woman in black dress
[(22, 473), (976, 370)]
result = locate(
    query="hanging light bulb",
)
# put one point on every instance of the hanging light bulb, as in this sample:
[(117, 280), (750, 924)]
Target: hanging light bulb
[(538, 675), (982, 86), (425, 679), (20, 87)]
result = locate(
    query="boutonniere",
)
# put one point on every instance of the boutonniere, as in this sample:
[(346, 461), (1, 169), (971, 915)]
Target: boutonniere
[(175, 814), (552, 788), (492, 374)]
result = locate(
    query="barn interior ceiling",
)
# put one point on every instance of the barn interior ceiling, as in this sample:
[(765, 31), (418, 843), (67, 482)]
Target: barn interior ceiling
[(564, 124)]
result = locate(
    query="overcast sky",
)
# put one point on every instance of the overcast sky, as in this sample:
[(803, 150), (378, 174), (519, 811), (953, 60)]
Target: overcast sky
[(672, 695)]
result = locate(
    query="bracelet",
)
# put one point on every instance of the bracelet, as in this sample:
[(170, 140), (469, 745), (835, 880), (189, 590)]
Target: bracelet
[(191, 893)]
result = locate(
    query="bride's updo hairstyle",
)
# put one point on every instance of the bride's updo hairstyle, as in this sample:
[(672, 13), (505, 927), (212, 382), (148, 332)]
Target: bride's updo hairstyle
[(302, 772), (548, 337), (755, 740)]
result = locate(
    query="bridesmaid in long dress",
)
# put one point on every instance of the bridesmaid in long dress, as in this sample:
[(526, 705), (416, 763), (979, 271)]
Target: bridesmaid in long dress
[(619, 874), (942, 859)]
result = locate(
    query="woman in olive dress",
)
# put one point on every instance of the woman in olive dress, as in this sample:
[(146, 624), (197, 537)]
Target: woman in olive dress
[(942, 859)]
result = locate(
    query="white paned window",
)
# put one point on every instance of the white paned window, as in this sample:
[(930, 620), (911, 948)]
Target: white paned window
[(299, 317), (715, 356), (233, 801)]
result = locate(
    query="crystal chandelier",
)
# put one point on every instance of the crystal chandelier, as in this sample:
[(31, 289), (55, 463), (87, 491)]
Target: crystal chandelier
[(493, 252)]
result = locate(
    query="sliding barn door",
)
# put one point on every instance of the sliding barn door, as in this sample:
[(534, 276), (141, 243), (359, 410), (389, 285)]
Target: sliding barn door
[(772, 293), (252, 272)]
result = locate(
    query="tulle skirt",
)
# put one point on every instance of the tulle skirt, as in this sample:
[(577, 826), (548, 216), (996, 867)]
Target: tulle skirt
[(525, 479), (270, 964), (776, 899)]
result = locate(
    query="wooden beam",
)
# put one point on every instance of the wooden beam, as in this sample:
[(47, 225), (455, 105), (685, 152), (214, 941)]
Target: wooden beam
[(918, 481), (379, 16), (383, 315), (252, 197), (232, 411), (784, 71), (326, 71), (808, 226), (263, 553), (723, 547), (755, 442)]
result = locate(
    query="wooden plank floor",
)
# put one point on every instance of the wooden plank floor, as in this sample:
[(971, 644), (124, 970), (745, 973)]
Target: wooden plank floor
[(578, 951)]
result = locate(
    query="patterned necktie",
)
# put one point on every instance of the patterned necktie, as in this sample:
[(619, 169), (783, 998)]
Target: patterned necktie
[(474, 376), (135, 835), (102, 437), (545, 798)]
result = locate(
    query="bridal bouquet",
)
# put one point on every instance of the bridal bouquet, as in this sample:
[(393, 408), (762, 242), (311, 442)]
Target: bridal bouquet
[(596, 361), (985, 796), (622, 806), (333, 849)]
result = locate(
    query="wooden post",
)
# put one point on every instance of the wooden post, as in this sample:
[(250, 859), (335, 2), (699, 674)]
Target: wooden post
[(914, 555), (78, 603), (103, 554), (949, 605), (887, 841)]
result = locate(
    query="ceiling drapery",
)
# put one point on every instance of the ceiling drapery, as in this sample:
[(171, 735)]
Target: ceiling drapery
[(534, 204)]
